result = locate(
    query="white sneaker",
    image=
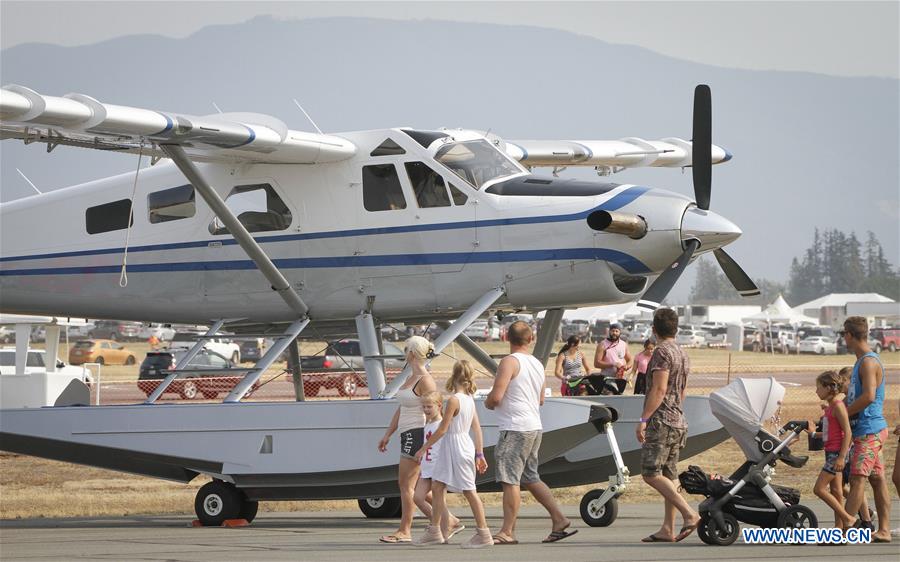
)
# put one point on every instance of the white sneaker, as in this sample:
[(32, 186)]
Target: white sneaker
[(480, 539), (432, 536), (895, 533)]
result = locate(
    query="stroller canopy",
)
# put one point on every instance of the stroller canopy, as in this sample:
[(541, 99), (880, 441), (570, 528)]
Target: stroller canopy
[(743, 407)]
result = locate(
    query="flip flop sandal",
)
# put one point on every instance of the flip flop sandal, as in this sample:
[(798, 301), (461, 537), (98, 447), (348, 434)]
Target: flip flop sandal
[(500, 541), (394, 539), (686, 531), (654, 538), (559, 535), (454, 530)]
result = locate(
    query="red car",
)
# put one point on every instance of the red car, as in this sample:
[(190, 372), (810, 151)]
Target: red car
[(189, 385)]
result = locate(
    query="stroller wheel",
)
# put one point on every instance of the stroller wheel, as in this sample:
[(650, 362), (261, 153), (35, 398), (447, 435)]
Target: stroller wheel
[(798, 517), (709, 531)]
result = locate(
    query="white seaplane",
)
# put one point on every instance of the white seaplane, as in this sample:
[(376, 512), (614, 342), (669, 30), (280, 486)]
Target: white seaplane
[(293, 228)]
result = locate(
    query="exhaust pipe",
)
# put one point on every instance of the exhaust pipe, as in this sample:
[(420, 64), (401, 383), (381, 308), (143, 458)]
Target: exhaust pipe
[(633, 226)]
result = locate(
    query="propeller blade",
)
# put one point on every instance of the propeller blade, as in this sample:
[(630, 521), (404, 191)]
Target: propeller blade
[(664, 283), (701, 153), (741, 281)]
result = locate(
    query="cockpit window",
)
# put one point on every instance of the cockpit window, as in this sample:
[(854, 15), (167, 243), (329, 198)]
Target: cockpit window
[(427, 185), (477, 162), (388, 148)]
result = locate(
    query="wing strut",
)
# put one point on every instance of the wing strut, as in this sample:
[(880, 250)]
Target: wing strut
[(450, 334), (243, 238)]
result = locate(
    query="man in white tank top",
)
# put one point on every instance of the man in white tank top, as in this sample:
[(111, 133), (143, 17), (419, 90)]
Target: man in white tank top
[(516, 397)]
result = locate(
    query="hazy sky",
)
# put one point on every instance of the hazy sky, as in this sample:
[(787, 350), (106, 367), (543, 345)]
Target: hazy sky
[(839, 38)]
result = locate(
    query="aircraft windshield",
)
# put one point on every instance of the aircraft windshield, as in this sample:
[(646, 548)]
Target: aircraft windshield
[(477, 162)]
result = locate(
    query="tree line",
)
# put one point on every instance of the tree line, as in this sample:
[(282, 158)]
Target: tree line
[(835, 262)]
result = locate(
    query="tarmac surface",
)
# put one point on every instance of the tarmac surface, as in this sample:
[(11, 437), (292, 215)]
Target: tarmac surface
[(349, 536)]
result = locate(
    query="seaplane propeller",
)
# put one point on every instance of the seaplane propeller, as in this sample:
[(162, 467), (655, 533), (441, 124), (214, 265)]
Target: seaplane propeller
[(701, 227)]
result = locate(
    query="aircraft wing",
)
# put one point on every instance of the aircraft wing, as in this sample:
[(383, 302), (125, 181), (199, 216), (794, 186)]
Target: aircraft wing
[(608, 155), (79, 120)]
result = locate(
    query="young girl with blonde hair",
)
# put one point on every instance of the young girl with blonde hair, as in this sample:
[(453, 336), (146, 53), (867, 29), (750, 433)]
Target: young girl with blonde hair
[(459, 459)]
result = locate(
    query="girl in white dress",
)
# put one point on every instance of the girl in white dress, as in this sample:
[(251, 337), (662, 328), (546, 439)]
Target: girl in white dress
[(459, 459)]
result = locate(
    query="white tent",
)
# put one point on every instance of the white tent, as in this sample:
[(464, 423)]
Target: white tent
[(780, 311), (611, 313), (743, 407)]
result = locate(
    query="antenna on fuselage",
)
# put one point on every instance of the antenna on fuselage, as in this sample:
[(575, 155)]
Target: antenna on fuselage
[(24, 177), (216, 106), (297, 103)]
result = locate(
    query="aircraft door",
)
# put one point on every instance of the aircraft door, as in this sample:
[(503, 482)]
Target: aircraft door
[(444, 218)]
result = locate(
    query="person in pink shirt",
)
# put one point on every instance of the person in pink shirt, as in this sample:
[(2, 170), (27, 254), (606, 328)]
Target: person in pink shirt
[(641, 360), (612, 356)]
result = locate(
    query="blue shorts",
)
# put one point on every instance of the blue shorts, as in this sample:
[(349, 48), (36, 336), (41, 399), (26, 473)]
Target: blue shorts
[(831, 457)]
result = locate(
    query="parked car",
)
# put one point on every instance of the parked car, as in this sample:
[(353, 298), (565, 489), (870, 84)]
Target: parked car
[(482, 330), (221, 345), (214, 379), (841, 345), (819, 345), (690, 337), (105, 352), (716, 335), (639, 333), (341, 367), (116, 331), (252, 350), (578, 328), (36, 362), (161, 331), (888, 337), (81, 331)]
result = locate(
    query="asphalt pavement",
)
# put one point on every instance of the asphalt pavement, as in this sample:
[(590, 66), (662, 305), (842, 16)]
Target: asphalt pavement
[(332, 536)]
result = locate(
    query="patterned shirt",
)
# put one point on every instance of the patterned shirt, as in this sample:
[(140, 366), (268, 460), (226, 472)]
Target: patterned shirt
[(668, 356)]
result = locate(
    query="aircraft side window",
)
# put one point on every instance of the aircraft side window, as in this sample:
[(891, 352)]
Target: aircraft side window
[(171, 204), (388, 148), (381, 188), (459, 198), (428, 185), (257, 207), (108, 217)]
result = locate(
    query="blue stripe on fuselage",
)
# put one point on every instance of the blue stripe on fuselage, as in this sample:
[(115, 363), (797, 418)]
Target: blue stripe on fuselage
[(627, 262), (616, 202)]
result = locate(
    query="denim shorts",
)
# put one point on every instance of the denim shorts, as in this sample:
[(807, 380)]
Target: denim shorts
[(831, 457)]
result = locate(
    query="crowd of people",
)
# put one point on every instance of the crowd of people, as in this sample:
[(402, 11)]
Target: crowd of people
[(441, 442)]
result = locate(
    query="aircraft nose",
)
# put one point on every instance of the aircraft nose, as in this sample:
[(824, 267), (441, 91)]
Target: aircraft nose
[(711, 229)]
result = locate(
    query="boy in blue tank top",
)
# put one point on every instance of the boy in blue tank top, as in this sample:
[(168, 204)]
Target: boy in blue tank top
[(865, 406)]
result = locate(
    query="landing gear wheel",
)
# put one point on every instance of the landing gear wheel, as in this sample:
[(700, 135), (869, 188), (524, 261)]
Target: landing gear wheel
[(709, 531), (189, 390), (248, 510), (380, 508), (598, 514), (217, 501), (348, 386), (797, 517)]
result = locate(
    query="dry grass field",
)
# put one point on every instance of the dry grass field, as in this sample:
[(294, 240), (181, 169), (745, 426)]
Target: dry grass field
[(31, 487)]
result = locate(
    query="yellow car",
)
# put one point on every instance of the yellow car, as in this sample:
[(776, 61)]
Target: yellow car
[(105, 352)]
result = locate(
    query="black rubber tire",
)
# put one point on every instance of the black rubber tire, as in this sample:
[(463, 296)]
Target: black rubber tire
[(217, 501), (348, 386), (130, 360), (892, 347), (189, 390), (701, 528), (248, 510), (714, 536), (236, 358), (797, 517), (596, 515), (101, 360), (380, 508), (878, 348)]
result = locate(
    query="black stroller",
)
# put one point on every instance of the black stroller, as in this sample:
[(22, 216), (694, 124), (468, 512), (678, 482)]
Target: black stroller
[(747, 496)]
